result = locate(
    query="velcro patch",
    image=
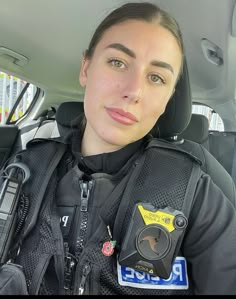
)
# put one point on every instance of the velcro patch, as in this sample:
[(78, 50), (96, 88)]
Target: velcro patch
[(137, 279)]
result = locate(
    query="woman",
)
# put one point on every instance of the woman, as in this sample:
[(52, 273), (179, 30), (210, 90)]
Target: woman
[(119, 195)]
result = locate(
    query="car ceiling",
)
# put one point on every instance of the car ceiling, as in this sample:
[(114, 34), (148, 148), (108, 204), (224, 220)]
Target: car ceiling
[(53, 35)]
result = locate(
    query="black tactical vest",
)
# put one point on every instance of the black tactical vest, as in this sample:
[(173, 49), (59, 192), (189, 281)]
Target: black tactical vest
[(162, 176)]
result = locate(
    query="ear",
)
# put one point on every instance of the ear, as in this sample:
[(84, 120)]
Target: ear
[(83, 71)]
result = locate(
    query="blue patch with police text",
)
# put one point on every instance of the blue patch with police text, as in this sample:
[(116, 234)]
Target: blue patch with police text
[(178, 278)]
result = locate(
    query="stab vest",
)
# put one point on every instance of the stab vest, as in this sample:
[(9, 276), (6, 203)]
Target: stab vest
[(162, 175)]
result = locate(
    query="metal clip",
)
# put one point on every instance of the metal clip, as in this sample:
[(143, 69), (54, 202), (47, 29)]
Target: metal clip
[(69, 269)]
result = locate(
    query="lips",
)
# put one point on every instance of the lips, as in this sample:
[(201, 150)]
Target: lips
[(121, 116)]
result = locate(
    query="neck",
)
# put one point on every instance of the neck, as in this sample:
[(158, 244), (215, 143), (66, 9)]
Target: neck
[(92, 144)]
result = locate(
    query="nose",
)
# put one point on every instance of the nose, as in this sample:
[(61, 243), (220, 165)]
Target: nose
[(134, 88)]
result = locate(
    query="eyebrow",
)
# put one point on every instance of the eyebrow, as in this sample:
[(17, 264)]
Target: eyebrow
[(163, 65), (122, 48), (131, 53)]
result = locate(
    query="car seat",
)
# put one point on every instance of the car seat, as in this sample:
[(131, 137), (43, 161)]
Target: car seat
[(197, 130)]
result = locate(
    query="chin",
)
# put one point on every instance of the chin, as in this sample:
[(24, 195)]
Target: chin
[(117, 141), (119, 138)]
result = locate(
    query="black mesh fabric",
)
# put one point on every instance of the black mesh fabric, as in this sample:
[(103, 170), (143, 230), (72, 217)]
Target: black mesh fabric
[(162, 181), (172, 182), (39, 171), (166, 189), (39, 247)]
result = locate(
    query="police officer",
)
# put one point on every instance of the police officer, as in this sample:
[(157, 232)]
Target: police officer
[(114, 218)]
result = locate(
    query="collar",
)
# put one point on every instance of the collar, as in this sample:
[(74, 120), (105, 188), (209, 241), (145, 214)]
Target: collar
[(109, 163)]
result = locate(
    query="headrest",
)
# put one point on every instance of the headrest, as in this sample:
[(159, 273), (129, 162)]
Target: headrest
[(178, 110), (171, 123), (68, 111), (197, 129)]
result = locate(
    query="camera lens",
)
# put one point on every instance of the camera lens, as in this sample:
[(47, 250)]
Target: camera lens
[(153, 242), (180, 222)]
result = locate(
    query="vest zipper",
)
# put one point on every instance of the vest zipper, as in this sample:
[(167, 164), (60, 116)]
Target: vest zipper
[(85, 272), (85, 187)]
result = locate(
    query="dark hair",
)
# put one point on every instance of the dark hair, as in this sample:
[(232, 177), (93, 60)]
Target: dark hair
[(137, 11)]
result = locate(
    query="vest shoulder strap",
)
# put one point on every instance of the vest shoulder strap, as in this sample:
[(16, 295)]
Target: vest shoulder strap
[(156, 181), (195, 172), (42, 158), (161, 143)]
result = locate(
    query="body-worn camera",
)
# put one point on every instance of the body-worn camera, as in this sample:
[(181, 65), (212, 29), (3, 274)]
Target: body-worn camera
[(151, 239)]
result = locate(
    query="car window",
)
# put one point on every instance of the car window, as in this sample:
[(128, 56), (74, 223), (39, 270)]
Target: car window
[(215, 121), (16, 96)]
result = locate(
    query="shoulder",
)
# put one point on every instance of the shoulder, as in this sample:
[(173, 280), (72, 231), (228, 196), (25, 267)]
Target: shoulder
[(41, 151), (40, 143), (209, 193), (171, 149), (210, 207)]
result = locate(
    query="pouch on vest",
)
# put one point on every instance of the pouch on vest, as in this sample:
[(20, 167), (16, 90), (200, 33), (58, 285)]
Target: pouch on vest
[(12, 280)]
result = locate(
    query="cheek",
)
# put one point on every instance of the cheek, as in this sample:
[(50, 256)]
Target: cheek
[(99, 85), (152, 112), (156, 108), (100, 91), (149, 118)]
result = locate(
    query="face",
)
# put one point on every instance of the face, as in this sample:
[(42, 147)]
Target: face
[(128, 82)]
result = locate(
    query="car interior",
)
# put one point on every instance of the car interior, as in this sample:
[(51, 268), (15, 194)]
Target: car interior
[(41, 47)]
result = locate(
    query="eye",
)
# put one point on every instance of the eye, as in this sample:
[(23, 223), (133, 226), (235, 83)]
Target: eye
[(116, 63), (157, 79)]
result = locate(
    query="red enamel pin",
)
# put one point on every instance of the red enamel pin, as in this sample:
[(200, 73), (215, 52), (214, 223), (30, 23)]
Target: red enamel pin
[(108, 246)]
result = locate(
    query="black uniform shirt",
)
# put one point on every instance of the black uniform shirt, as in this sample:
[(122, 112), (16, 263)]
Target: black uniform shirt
[(108, 163)]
